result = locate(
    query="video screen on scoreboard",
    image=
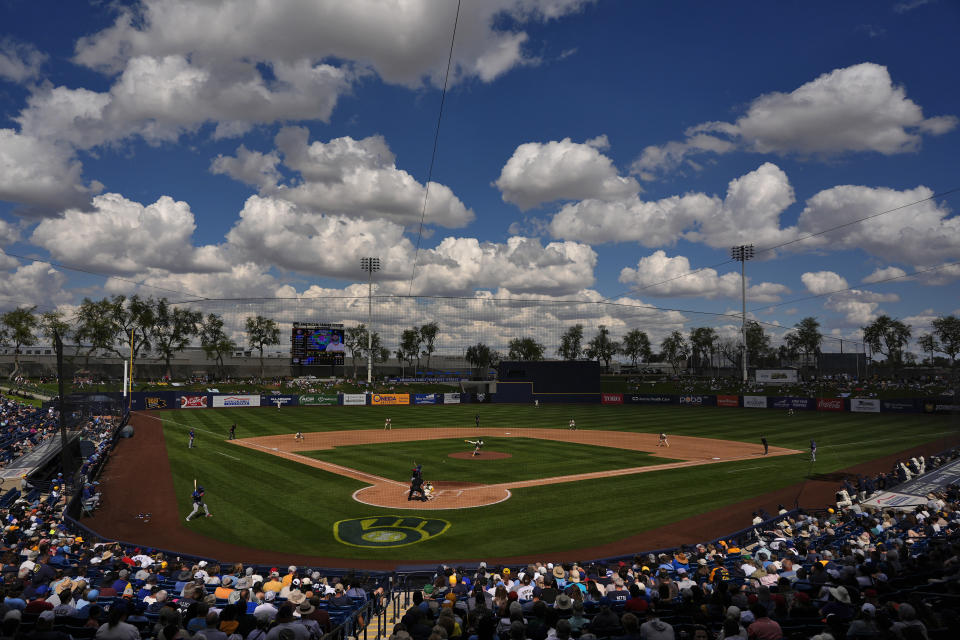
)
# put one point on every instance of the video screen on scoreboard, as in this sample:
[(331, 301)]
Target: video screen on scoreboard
[(314, 344)]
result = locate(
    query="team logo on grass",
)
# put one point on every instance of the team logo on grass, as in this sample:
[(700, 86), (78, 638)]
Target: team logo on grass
[(381, 532)]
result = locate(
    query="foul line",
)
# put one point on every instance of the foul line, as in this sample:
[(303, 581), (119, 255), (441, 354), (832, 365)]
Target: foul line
[(320, 464), (229, 456)]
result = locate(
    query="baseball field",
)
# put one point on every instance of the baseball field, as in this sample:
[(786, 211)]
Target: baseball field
[(537, 489)]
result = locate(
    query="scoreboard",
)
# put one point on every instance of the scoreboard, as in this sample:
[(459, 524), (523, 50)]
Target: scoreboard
[(316, 344)]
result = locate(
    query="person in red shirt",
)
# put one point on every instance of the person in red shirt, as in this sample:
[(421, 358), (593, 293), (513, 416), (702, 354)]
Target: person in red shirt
[(763, 628)]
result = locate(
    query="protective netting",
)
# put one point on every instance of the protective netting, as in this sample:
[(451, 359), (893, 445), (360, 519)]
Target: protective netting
[(465, 321)]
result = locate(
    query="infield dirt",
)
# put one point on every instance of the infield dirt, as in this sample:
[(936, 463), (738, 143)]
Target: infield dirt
[(117, 518), (384, 492)]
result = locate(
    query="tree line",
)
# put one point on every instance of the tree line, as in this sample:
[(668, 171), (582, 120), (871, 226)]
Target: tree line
[(140, 325), (703, 346)]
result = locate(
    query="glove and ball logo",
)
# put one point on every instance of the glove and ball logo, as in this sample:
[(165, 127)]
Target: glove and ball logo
[(380, 532)]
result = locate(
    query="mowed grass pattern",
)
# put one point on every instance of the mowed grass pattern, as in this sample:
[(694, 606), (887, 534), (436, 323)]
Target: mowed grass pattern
[(266, 502), (530, 458)]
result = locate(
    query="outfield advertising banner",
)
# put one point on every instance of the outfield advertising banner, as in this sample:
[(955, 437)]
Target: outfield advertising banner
[(193, 402), (354, 399), (425, 398), (799, 404), (230, 401), (651, 398), (728, 401), (278, 400), (900, 405), (316, 399), (864, 405), (829, 404), (699, 401), (153, 400), (755, 402), (390, 398), (451, 398), (611, 398), (936, 406)]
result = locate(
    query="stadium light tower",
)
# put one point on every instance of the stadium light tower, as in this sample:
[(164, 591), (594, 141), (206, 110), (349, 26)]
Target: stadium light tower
[(370, 265), (742, 253)]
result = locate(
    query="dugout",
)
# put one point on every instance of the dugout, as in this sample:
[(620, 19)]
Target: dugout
[(548, 381)]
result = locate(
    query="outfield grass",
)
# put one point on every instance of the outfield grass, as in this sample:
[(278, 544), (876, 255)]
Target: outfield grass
[(263, 501), (531, 458)]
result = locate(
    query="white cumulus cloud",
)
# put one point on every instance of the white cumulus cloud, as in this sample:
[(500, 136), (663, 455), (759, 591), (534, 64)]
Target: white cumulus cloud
[(403, 42), (126, 237), (20, 61), (41, 176), (537, 173), (750, 212), (348, 177), (673, 277), (820, 282), (925, 233), (853, 109), (885, 273), (36, 283)]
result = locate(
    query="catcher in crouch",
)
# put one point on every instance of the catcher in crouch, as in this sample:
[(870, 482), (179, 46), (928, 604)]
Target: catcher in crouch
[(477, 445)]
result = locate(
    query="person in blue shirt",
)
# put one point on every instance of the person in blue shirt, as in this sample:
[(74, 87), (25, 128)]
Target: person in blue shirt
[(192, 436), (199, 504)]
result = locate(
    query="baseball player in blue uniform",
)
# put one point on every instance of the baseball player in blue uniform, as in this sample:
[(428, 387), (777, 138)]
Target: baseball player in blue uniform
[(199, 504), (192, 436)]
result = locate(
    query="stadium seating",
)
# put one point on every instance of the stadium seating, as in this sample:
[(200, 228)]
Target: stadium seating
[(838, 571)]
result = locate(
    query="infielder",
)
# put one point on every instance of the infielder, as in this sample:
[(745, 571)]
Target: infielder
[(387, 425), (766, 447), (299, 436), (573, 425), (199, 504), (477, 445), (662, 442)]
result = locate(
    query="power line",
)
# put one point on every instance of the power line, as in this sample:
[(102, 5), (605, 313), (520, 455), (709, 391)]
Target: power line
[(433, 155), (859, 220), (794, 241), (830, 293), (528, 301)]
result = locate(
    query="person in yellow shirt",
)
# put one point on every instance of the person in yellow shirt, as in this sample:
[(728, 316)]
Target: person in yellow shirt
[(273, 583), (291, 574)]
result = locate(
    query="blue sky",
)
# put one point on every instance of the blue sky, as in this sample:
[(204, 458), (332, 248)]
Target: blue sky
[(588, 150)]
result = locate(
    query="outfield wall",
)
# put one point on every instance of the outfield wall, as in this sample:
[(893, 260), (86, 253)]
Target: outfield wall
[(187, 400)]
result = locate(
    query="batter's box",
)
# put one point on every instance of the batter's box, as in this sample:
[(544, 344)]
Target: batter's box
[(456, 493)]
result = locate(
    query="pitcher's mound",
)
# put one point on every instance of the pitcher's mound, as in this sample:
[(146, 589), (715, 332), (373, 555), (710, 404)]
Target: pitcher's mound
[(484, 455)]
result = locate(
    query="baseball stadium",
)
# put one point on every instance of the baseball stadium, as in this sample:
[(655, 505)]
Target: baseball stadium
[(479, 320)]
